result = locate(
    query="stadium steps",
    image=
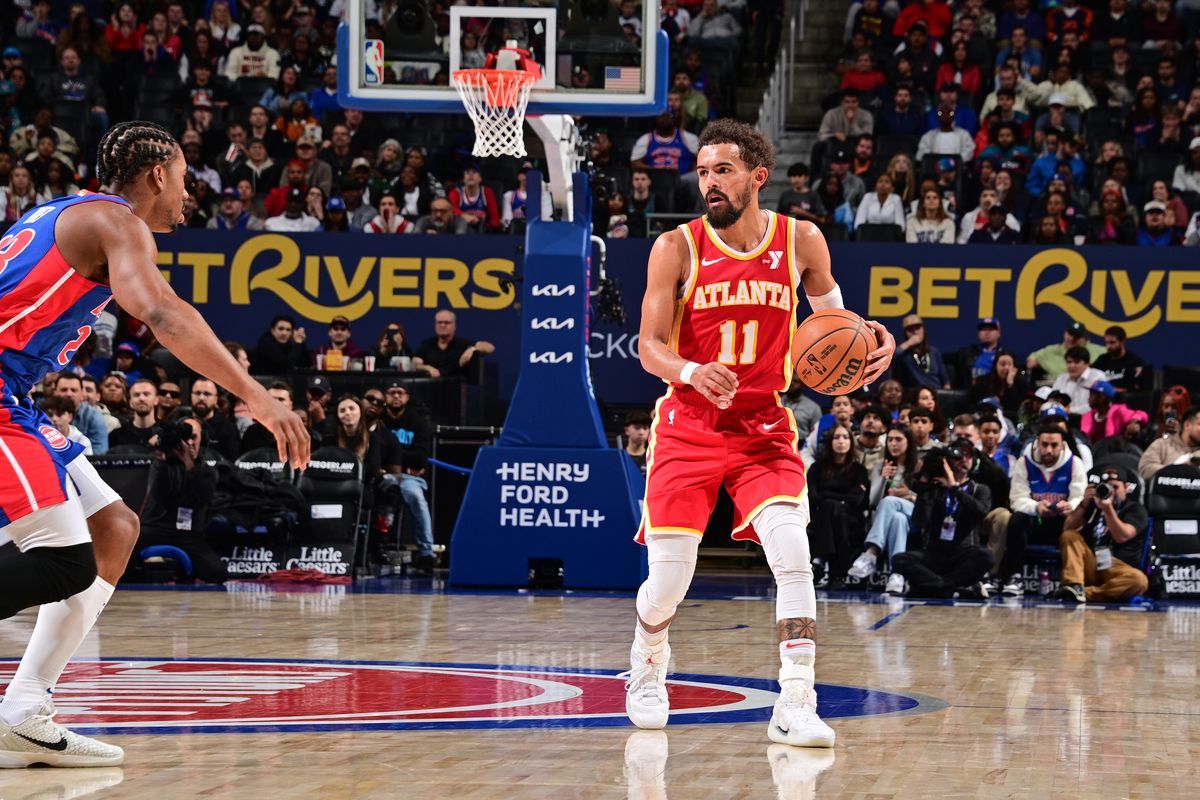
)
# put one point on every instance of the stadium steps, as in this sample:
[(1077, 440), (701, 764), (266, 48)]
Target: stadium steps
[(794, 146)]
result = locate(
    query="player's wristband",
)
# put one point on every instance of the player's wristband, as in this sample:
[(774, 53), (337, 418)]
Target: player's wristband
[(831, 299), (685, 374)]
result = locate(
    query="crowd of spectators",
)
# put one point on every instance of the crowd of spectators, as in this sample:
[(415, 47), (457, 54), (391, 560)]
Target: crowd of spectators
[(954, 475), (981, 121)]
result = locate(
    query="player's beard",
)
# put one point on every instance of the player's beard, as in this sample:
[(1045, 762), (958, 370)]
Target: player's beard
[(729, 213)]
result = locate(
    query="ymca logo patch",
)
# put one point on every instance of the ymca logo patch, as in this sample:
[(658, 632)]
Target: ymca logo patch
[(56, 439), (238, 695)]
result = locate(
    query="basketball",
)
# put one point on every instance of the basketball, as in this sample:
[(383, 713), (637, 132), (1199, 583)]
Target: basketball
[(829, 351)]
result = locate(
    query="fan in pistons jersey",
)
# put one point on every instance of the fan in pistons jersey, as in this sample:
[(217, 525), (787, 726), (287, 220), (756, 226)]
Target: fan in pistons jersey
[(60, 265), (717, 322)]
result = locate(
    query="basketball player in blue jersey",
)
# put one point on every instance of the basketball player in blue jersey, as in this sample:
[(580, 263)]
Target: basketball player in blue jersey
[(60, 265)]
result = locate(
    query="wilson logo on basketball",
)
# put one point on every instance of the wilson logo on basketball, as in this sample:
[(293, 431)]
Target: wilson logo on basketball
[(847, 378), (247, 695), (53, 437)]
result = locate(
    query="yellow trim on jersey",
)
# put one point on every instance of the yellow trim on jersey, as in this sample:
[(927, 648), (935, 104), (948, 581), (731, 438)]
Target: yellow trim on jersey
[(689, 286), (646, 528), (794, 278), (779, 498), (737, 254)]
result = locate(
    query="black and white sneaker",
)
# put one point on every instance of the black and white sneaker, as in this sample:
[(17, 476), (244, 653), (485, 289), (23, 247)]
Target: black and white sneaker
[(41, 740), (1071, 593)]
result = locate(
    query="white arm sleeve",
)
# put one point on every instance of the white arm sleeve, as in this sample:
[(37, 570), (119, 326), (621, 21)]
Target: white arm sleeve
[(831, 299)]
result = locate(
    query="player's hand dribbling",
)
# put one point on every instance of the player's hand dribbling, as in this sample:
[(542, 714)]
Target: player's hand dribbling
[(716, 382), (879, 359), (292, 437)]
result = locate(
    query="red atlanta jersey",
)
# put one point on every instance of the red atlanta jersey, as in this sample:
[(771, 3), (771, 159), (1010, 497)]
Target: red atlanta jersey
[(739, 309)]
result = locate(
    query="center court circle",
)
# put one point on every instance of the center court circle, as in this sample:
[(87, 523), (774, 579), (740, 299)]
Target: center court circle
[(146, 695)]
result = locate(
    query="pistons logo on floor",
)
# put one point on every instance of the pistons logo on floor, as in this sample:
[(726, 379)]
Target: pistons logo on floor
[(244, 695), (54, 437)]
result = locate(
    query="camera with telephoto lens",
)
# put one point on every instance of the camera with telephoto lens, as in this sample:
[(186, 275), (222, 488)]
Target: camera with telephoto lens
[(934, 465), (169, 436)]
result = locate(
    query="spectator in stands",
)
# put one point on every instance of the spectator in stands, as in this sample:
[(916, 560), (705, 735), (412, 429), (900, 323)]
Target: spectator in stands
[(88, 418), (415, 196), (841, 412), (1079, 375), (846, 121), (1187, 174), (1069, 17), (258, 168), (1176, 214), (1001, 227), (220, 433), (900, 117), (19, 195), (862, 163), (389, 219), (340, 340), (323, 99), (864, 78), (1055, 155), (233, 216), (1022, 15), (1046, 487), (445, 354), (1181, 447), (254, 59), (714, 25), (930, 223), (476, 203), (257, 435), (114, 390), (1154, 231), (1125, 370), (178, 499), (55, 183), (61, 412), (799, 201), (892, 500), (675, 20), (336, 220), (1144, 119), (441, 220), (946, 518), (1004, 146), (359, 212), (1057, 117), (1161, 25), (316, 171), (1112, 226), (891, 397), (881, 207), (992, 443), (636, 431), (852, 185), (413, 433), (693, 102), (868, 446), (958, 71), (281, 349), (138, 428), (352, 433), (292, 180), (1103, 541), (977, 360), (78, 98), (947, 138), (1061, 82), (1052, 359), (293, 219), (667, 147), (934, 13), (1118, 24), (1026, 56), (1004, 383), (392, 346), (964, 116), (837, 490), (1106, 417), (918, 363)]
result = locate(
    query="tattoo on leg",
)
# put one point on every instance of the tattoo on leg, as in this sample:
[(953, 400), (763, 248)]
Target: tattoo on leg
[(797, 628), (655, 628)]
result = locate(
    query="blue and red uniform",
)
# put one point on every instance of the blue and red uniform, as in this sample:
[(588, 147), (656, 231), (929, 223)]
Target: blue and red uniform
[(47, 310)]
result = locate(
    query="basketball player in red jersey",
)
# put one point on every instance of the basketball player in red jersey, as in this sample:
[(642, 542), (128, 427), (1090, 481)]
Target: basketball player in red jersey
[(717, 322), (61, 263)]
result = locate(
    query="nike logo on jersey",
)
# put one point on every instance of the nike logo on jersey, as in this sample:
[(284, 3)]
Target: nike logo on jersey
[(60, 745), (768, 428), (708, 262)]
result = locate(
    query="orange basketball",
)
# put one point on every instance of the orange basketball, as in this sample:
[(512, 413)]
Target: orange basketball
[(829, 351)]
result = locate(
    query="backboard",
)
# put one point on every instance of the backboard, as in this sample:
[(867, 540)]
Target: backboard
[(595, 60)]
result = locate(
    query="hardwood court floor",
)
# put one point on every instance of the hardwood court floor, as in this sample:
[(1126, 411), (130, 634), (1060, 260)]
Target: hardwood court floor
[(1019, 701)]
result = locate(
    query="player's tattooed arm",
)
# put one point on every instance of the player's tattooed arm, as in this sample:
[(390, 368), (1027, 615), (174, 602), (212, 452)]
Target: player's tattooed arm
[(797, 628)]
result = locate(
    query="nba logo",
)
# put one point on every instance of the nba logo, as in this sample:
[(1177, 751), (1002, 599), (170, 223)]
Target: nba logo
[(373, 62)]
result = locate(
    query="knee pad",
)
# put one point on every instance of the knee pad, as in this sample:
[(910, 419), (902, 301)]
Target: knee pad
[(47, 575), (672, 559), (783, 530)]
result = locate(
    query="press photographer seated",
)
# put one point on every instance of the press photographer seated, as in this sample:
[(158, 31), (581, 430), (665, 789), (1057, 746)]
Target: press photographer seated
[(178, 499), (1102, 542)]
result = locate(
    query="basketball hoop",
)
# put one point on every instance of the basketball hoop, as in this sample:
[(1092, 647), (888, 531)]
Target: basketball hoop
[(496, 100)]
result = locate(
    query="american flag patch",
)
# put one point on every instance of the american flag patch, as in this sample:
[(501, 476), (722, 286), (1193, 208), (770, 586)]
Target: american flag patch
[(628, 79)]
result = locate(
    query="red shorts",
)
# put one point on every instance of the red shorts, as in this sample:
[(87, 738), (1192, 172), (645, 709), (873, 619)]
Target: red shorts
[(695, 448)]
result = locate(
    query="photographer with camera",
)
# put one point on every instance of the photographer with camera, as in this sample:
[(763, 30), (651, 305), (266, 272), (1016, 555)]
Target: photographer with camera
[(178, 498), (1047, 485), (949, 510), (1102, 542)]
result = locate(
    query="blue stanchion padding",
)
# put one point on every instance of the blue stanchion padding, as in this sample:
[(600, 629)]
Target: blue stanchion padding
[(168, 551), (450, 467), (572, 504)]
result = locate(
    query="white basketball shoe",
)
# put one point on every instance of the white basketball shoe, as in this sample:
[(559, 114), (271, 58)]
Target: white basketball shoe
[(794, 720), (646, 688), (41, 740)]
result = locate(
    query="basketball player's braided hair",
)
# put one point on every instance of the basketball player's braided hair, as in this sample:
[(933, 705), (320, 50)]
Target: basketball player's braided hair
[(130, 147), (754, 148)]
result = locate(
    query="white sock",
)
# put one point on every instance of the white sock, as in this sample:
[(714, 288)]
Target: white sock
[(652, 642), (61, 627), (798, 651)]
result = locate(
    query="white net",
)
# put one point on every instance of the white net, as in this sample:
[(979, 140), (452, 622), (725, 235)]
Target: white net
[(496, 100)]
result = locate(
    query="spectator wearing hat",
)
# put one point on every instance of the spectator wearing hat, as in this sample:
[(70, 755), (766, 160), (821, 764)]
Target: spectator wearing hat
[(339, 339), (1125, 370), (318, 394), (233, 215), (1077, 379), (475, 203), (389, 219), (1056, 116), (293, 219), (847, 120), (1002, 228), (254, 59), (1102, 542), (919, 363), (976, 360), (964, 116), (1187, 174), (316, 171), (359, 211), (947, 138), (336, 219), (1154, 231), (413, 433), (1106, 415), (1052, 359)]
